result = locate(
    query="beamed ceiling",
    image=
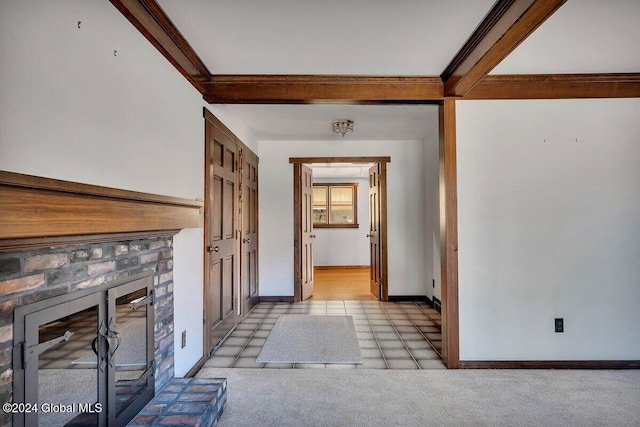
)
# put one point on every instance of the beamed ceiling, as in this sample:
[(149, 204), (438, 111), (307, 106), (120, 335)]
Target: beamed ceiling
[(334, 37), (349, 53)]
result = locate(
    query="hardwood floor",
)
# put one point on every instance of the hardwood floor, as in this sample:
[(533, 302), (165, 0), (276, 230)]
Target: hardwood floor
[(341, 283)]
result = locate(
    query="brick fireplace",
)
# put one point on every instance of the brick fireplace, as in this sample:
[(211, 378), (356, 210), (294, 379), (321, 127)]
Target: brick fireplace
[(61, 241), (36, 275)]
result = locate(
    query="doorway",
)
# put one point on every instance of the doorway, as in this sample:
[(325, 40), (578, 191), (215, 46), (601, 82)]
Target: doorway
[(350, 282), (375, 229)]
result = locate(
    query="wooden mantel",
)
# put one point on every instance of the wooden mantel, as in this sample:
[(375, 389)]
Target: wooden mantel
[(37, 211)]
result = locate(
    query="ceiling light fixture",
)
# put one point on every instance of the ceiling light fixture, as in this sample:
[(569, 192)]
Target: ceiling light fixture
[(343, 127)]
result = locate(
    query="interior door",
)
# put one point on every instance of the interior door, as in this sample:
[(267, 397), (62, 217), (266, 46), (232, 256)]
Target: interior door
[(306, 198), (222, 229), (249, 259), (374, 230)]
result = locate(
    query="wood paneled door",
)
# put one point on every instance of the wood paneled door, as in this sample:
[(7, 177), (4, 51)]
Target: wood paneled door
[(374, 230), (249, 259), (307, 236), (222, 266)]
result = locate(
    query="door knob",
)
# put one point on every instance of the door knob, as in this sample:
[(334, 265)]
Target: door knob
[(246, 240), (213, 248), (313, 236), (368, 235)]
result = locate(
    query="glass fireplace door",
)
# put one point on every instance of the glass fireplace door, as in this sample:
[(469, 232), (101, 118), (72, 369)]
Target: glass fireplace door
[(65, 364), (86, 359), (131, 379)]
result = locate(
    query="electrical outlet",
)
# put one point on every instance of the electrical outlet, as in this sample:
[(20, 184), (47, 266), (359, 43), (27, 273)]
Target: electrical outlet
[(559, 324), (184, 339)]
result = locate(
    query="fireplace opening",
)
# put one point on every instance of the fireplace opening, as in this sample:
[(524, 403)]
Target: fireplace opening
[(86, 358), (60, 379)]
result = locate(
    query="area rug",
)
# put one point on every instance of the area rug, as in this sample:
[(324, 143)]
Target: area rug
[(312, 339)]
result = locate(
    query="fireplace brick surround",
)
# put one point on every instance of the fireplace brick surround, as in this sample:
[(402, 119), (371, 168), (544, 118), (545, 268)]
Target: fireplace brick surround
[(60, 237), (33, 275)]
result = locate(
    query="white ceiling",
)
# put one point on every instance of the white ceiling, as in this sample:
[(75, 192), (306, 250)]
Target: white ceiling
[(314, 122), (383, 37), (341, 170), (583, 36), (366, 37)]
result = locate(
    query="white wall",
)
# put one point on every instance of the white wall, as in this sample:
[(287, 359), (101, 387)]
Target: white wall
[(70, 109), (549, 229), (408, 250), (345, 246)]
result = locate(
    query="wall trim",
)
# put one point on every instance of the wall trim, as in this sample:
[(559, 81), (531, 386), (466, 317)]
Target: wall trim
[(276, 299), (196, 368), (339, 159), (437, 304), (341, 267), (35, 208), (556, 86), (14, 179), (55, 242), (410, 298), (449, 233), (550, 364)]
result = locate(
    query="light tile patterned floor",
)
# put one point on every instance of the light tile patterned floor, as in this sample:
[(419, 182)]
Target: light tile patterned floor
[(391, 335)]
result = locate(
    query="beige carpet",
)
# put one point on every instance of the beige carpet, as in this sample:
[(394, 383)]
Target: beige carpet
[(66, 387), (132, 350), (270, 397)]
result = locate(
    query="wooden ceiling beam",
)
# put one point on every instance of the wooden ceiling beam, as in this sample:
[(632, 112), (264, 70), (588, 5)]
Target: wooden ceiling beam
[(557, 86), (149, 18), (506, 25), (309, 89)]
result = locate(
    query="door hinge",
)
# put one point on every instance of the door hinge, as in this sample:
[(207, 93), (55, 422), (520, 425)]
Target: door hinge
[(20, 355)]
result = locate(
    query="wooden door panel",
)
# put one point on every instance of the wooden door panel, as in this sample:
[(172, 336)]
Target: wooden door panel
[(216, 217), (217, 149), (221, 238), (306, 197), (253, 280), (249, 227), (227, 291), (215, 277), (228, 198), (374, 228), (229, 157)]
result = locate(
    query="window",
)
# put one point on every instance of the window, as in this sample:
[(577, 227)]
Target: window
[(335, 205)]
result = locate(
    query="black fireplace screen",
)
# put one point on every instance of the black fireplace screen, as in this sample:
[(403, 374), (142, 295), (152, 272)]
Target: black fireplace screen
[(86, 358)]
